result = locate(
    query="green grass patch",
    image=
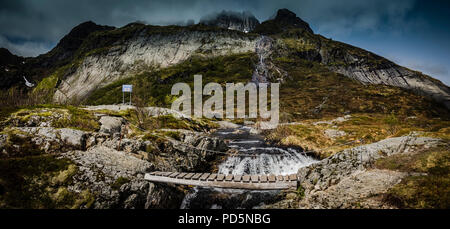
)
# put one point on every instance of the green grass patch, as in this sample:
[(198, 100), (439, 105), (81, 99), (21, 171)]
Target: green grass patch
[(78, 119), (39, 182), (154, 87), (119, 182), (420, 191), (60, 116)]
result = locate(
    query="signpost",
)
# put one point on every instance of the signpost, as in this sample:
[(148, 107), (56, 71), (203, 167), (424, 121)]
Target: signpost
[(126, 89)]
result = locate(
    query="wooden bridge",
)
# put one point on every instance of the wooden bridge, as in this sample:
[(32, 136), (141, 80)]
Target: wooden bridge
[(252, 182)]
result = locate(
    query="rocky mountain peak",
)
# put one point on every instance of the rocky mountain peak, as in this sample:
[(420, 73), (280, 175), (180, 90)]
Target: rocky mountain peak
[(288, 18), (69, 44), (243, 21), (283, 20), (76, 36)]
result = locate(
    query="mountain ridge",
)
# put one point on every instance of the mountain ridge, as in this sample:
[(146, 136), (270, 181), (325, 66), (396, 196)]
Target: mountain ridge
[(127, 52)]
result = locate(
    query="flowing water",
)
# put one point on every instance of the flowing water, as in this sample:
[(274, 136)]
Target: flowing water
[(253, 156), (263, 50), (256, 157)]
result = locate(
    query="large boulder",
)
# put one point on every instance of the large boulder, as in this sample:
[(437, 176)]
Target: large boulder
[(161, 196), (52, 140), (74, 138), (111, 125)]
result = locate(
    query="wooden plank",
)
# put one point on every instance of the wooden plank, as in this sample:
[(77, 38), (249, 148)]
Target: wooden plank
[(220, 177), (246, 178), (181, 175), (279, 178), (263, 179), (166, 174), (189, 176), (272, 178), (197, 176), (159, 173), (229, 178), (293, 177), (153, 173), (173, 175), (237, 178), (254, 178), (212, 177), (286, 178), (204, 176)]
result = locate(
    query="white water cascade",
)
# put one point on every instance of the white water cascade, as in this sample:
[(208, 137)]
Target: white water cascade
[(254, 157)]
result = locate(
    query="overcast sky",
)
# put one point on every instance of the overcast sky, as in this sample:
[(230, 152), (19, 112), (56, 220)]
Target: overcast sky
[(413, 33)]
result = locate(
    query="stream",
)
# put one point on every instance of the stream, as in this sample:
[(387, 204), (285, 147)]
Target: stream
[(253, 156)]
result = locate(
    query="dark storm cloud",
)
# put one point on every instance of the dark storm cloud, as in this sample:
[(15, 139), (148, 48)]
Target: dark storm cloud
[(49, 20)]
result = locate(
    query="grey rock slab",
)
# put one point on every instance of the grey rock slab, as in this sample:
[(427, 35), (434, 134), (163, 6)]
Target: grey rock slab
[(75, 138), (110, 125)]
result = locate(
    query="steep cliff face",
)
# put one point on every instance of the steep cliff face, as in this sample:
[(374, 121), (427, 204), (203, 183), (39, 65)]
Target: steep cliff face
[(358, 64), (394, 75), (377, 70), (244, 21), (144, 50)]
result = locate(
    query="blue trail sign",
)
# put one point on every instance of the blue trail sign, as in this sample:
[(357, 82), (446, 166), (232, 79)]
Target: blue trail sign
[(126, 88)]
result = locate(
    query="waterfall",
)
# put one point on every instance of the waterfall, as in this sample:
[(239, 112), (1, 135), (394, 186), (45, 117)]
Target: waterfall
[(263, 50), (270, 160), (253, 156), (256, 157)]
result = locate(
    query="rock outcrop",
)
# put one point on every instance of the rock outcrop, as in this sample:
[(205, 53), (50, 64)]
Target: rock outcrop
[(111, 125), (117, 180), (51, 140), (344, 179), (388, 73), (66, 49), (283, 21), (244, 21)]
